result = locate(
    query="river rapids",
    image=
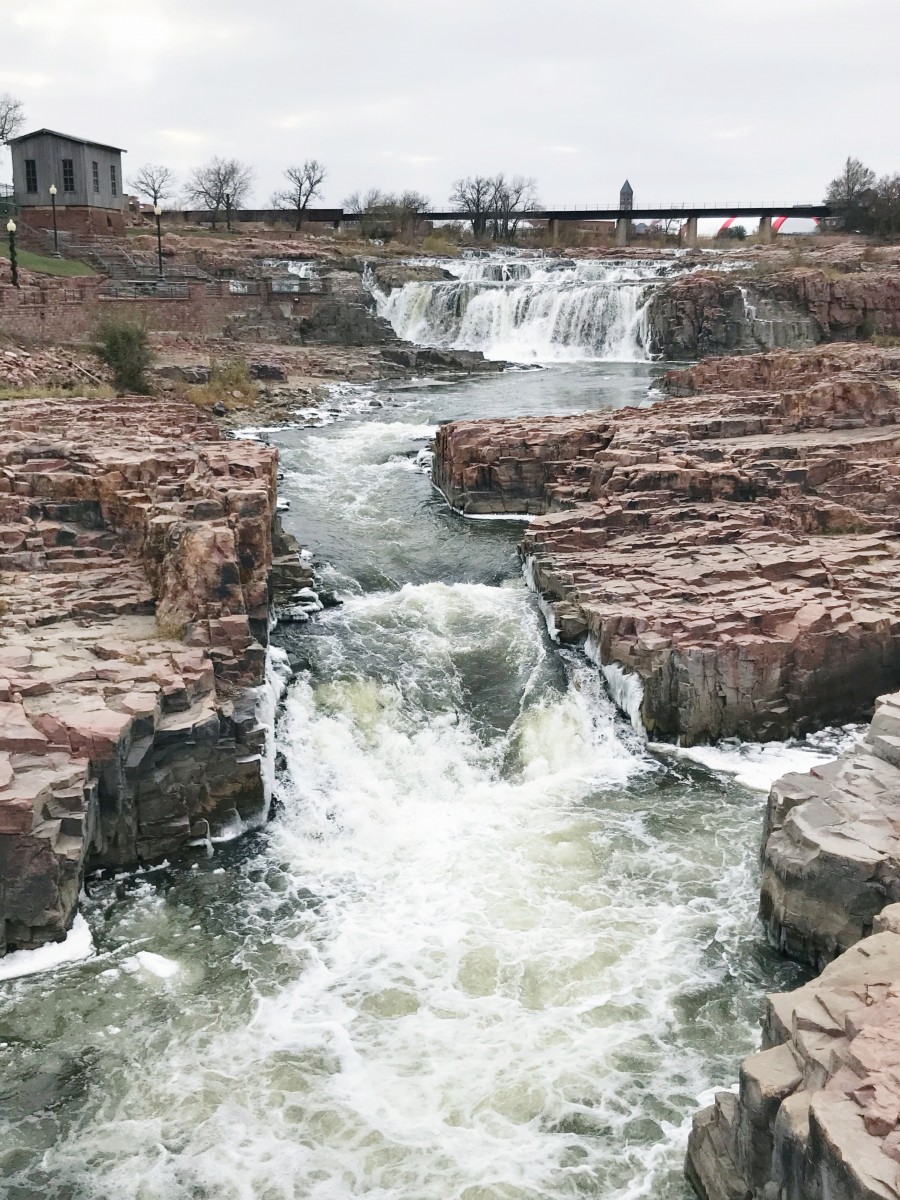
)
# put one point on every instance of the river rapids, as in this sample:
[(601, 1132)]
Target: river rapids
[(491, 945)]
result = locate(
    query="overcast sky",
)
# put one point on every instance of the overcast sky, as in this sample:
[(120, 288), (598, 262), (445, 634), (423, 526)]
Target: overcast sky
[(699, 100)]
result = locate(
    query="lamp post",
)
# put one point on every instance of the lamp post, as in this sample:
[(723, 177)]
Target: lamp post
[(157, 212), (228, 211), (14, 266), (56, 253)]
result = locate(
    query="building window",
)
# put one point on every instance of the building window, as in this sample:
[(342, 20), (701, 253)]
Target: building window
[(68, 168), (113, 181), (31, 176), (95, 170)]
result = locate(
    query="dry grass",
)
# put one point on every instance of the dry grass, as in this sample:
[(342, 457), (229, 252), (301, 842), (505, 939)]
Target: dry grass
[(435, 244), (229, 384), (171, 627)]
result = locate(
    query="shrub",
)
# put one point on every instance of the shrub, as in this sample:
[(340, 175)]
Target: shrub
[(229, 384), (125, 349)]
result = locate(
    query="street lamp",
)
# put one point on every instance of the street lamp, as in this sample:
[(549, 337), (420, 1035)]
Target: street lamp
[(14, 266), (56, 253), (157, 212)]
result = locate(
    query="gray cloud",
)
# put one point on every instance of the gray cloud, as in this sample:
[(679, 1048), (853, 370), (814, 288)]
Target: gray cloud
[(701, 99)]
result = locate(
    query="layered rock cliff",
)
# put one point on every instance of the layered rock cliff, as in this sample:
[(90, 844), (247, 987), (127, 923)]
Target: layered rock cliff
[(831, 846), (738, 553), (817, 1112), (815, 1116), (137, 553), (714, 312)]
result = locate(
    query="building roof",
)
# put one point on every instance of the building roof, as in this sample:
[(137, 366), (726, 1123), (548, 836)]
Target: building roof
[(24, 137)]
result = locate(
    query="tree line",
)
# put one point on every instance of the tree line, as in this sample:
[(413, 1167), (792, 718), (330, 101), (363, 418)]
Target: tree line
[(495, 204), (864, 203)]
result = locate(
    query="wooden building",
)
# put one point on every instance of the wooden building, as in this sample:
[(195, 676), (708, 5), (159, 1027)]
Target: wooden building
[(87, 176)]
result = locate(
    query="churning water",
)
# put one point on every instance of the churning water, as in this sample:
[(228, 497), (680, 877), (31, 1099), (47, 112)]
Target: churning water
[(532, 310), (491, 946)]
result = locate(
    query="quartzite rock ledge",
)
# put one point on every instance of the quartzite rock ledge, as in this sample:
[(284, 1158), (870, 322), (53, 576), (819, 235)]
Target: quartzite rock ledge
[(739, 552), (138, 550), (817, 1112)]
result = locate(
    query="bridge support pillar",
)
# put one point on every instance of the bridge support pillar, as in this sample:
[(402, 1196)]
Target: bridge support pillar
[(765, 229), (623, 231), (553, 229), (689, 232)]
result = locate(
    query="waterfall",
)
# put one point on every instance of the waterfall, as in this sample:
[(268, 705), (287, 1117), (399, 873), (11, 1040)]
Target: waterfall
[(300, 269), (531, 310)]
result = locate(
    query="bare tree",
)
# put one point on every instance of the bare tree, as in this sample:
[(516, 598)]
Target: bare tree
[(512, 199), (385, 214), (154, 181), (848, 192), (12, 116), (365, 202), (884, 212), (223, 183), (473, 196), (305, 183)]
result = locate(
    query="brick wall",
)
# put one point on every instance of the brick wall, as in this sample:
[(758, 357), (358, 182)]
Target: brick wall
[(80, 222), (70, 313)]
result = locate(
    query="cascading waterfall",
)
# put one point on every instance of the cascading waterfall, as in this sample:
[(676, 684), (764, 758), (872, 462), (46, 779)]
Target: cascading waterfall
[(299, 268), (531, 310)]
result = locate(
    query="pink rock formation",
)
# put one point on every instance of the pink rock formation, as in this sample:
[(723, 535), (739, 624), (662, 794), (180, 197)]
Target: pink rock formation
[(738, 552), (136, 548)]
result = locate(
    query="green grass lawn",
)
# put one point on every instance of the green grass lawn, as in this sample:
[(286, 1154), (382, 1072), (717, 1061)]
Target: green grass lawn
[(68, 268)]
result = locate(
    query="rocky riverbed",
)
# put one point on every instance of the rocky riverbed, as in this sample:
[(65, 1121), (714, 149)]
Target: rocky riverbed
[(728, 556), (737, 557), (138, 553)]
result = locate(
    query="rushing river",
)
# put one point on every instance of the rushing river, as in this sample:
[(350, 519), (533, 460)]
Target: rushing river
[(490, 947)]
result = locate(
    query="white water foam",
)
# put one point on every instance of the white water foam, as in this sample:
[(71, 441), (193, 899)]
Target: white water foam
[(531, 310), (305, 269), (77, 946), (756, 765), (154, 964)]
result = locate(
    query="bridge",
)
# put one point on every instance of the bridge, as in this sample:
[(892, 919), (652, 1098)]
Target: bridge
[(771, 216), (623, 217)]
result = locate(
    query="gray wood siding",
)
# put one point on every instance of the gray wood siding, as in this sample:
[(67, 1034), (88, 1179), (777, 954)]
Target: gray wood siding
[(48, 153)]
